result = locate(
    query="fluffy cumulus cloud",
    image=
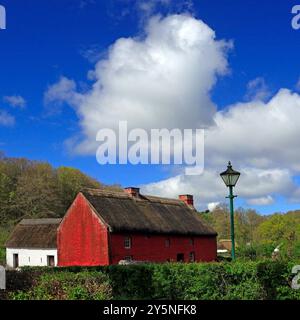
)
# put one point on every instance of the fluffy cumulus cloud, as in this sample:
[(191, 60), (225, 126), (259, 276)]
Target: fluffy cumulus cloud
[(257, 186), (262, 138), (263, 135), (169, 72), (262, 201), (164, 80)]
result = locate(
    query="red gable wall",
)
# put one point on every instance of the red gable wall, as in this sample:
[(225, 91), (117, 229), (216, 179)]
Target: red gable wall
[(82, 238), (153, 248)]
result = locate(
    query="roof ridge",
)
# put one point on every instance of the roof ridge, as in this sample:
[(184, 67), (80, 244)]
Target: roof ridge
[(123, 194), (40, 221)]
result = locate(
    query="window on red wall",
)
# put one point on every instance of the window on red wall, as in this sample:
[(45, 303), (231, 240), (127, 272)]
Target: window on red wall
[(191, 241), (167, 243), (192, 257), (127, 242)]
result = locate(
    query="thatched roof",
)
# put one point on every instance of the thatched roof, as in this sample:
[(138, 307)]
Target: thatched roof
[(34, 233), (145, 214)]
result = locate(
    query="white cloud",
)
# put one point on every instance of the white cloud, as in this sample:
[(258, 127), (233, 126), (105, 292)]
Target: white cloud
[(163, 80), (257, 134), (207, 188), (6, 119), (212, 206), (92, 53), (257, 89), (169, 72), (15, 101), (262, 201), (148, 7), (262, 141), (64, 91)]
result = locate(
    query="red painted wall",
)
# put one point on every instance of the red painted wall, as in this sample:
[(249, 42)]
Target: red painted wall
[(153, 248), (82, 238)]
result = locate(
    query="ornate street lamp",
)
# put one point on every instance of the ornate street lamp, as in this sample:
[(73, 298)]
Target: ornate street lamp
[(230, 178)]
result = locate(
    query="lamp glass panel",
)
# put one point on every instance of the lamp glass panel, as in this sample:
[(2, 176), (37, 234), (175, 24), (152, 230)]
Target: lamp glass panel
[(225, 178), (234, 178)]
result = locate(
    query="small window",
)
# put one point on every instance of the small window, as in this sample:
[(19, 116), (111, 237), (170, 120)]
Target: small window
[(15, 260), (191, 241), (50, 261), (127, 243), (192, 256), (128, 258), (167, 243)]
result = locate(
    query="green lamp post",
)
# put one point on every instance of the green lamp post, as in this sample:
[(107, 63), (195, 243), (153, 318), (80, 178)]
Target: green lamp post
[(230, 178)]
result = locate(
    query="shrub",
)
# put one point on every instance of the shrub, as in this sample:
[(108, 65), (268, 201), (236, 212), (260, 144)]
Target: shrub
[(239, 280), (68, 286)]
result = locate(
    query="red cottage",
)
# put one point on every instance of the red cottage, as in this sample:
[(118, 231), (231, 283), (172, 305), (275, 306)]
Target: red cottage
[(104, 227)]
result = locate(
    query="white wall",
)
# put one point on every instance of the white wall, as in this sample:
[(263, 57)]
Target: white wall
[(30, 257)]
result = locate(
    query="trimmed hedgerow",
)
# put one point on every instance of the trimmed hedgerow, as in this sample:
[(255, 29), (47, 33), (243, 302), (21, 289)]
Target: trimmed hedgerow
[(67, 286), (240, 280)]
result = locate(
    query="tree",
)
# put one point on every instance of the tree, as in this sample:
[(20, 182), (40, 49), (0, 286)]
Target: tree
[(280, 229), (246, 222), (71, 181), (37, 193)]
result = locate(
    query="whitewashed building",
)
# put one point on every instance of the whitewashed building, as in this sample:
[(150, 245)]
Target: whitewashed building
[(33, 242)]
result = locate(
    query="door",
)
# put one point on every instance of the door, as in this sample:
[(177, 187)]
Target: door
[(15, 260), (50, 261), (180, 257)]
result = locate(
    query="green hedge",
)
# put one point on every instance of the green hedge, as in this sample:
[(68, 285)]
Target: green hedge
[(222, 281), (66, 286)]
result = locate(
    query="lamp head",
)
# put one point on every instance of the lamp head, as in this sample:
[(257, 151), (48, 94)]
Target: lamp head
[(230, 176)]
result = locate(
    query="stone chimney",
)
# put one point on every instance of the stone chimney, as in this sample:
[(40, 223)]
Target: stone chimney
[(187, 199), (134, 192)]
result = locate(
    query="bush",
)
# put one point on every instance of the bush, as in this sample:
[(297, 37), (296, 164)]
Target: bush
[(255, 251), (131, 281), (239, 280), (68, 286)]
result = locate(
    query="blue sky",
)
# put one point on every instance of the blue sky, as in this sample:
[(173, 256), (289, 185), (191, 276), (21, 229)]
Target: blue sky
[(47, 40)]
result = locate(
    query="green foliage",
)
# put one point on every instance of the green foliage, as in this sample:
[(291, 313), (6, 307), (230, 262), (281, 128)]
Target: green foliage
[(67, 286), (241, 280), (32, 189), (257, 236), (255, 251), (4, 233), (70, 182), (282, 230), (2, 256), (279, 228), (246, 223), (132, 281)]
